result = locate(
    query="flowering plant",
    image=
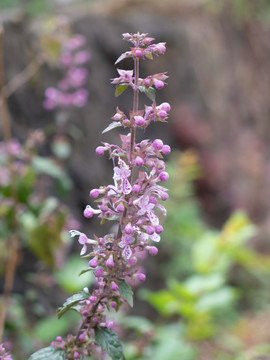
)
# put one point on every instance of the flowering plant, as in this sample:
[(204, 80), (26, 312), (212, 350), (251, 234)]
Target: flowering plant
[(133, 202)]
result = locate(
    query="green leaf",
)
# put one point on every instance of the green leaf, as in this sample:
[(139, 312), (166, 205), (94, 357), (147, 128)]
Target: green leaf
[(150, 92), (71, 301), (112, 125), (85, 271), (126, 291), (109, 342), (49, 352), (120, 89)]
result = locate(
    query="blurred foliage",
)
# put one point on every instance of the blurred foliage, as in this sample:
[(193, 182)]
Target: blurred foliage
[(204, 272)]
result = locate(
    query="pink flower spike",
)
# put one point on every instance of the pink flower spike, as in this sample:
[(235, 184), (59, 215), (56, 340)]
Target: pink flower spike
[(164, 176)]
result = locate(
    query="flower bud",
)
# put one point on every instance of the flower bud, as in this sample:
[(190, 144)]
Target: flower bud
[(88, 212), (59, 338), (159, 229), (141, 277), (139, 120), (149, 229), (128, 229), (158, 84), (109, 262), (98, 272), (136, 188), (93, 262), (94, 193), (85, 313), (138, 161), (100, 150), (164, 196), (117, 117), (146, 82), (120, 207), (138, 53), (82, 337), (93, 299), (162, 114), (166, 149), (109, 324), (76, 355), (114, 286), (157, 144), (113, 304), (153, 200), (153, 250), (164, 176), (165, 106)]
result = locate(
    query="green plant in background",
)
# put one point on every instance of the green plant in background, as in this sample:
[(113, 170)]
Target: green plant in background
[(202, 289)]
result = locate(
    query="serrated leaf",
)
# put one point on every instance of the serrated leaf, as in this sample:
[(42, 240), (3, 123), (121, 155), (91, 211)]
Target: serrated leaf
[(109, 342), (112, 125), (120, 89), (71, 301), (126, 291), (49, 352)]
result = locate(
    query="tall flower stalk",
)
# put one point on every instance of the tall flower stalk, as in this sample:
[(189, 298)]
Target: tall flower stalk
[(134, 201)]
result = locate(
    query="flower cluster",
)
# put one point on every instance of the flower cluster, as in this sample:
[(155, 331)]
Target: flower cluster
[(4, 355), (134, 200), (70, 90)]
